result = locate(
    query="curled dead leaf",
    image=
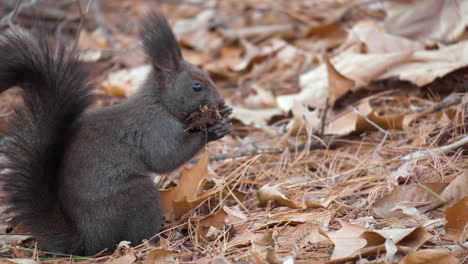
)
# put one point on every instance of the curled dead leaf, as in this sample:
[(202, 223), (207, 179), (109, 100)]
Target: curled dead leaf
[(183, 198)]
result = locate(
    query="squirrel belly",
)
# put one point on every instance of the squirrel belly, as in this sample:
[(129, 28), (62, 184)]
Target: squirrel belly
[(79, 182)]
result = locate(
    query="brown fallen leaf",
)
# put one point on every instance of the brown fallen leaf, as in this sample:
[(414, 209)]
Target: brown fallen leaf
[(457, 221), (160, 256), (216, 220), (430, 256), (409, 195), (183, 198), (338, 84), (355, 122), (457, 189), (352, 241)]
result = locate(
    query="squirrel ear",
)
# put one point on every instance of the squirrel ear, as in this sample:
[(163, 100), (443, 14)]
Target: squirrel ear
[(160, 43)]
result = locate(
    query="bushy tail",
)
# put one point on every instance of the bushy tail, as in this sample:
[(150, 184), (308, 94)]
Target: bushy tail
[(55, 91)]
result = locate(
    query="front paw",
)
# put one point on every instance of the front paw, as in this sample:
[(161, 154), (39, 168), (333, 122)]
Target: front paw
[(219, 130), (225, 111)]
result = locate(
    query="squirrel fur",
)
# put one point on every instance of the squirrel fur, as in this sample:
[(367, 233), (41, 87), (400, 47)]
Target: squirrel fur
[(77, 181)]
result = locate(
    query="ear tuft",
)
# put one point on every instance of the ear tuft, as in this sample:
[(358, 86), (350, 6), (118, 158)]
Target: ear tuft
[(160, 43)]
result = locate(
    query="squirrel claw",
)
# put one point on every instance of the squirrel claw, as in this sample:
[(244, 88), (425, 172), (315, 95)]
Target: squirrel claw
[(225, 111), (219, 130)]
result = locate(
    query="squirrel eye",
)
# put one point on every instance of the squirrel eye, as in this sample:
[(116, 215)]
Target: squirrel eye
[(197, 86)]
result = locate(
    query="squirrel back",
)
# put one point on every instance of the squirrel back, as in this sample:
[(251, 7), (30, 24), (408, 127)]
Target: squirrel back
[(55, 93)]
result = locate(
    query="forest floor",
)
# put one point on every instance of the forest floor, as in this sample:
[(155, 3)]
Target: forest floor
[(350, 132)]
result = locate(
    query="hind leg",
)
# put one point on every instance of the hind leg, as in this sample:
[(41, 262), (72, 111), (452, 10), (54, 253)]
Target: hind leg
[(144, 214)]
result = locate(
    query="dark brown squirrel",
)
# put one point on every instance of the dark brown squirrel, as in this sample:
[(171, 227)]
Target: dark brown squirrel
[(79, 182)]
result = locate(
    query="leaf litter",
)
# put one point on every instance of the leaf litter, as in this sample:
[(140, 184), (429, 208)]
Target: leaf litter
[(349, 140)]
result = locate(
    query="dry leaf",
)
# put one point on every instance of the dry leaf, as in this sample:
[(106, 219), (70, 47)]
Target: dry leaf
[(194, 32), (125, 82), (160, 256), (321, 218), (224, 65), (355, 122), (338, 85), (352, 241), (424, 66), (408, 170), (216, 220), (409, 195), (254, 54), (301, 235), (122, 255), (256, 255), (273, 258), (258, 117), (360, 68), (183, 198), (273, 193), (457, 221), (303, 120), (379, 42), (430, 21), (430, 256), (457, 189)]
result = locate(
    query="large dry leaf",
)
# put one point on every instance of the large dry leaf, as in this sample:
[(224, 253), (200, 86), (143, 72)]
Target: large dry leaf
[(430, 256), (183, 198), (420, 67), (355, 121), (424, 66), (409, 195), (457, 221), (428, 20), (352, 241)]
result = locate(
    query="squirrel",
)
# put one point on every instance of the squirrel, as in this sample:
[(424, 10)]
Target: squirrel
[(79, 181)]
